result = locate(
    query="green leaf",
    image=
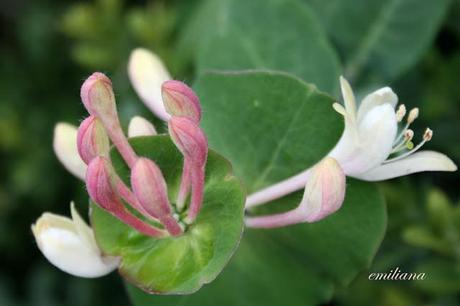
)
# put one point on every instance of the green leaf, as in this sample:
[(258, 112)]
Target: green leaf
[(380, 38), (181, 264), (297, 265), (273, 34), (269, 125)]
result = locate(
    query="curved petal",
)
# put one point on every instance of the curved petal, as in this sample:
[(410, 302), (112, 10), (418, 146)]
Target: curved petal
[(139, 126), (147, 73), (379, 97), (348, 97), (61, 244), (417, 162), (377, 132), (65, 148)]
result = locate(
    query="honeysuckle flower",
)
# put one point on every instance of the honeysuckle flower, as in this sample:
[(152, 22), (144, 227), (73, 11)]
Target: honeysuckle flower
[(65, 148), (181, 100), (69, 245), (147, 73), (92, 140), (139, 126), (372, 147), (323, 195), (191, 141)]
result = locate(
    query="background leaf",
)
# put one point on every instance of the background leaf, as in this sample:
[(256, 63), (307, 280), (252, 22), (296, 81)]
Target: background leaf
[(380, 39), (240, 34)]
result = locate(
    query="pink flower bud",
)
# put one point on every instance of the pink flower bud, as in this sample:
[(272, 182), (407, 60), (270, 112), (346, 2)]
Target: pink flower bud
[(324, 194), (190, 139), (181, 100), (324, 191), (150, 188), (101, 186), (98, 98), (92, 140)]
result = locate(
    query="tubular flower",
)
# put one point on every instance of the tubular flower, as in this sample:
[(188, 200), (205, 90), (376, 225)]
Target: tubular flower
[(86, 150), (372, 146), (69, 245)]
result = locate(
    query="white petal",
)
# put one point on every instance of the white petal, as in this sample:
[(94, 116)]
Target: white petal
[(379, 97), (417, 162), (83, 230), (139, 126), (61, 244), (377, 132), (65, 148), (348, 98), (147, 73)]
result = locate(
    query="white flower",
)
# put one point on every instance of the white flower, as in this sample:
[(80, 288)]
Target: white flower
[(371, 137), (69, 244), (65, 143), (371, 147), (147, 73)]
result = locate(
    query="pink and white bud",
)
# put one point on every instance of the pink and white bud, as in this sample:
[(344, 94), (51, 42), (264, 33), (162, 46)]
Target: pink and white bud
[(92, 140), (150, 188), (98, 97), (324, 192), (181, 100), (189, 139), (101, 185)]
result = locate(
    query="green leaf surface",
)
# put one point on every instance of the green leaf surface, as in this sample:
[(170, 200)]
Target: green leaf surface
[(380, 39), (270, 125), (273, 34), (181, 264), (297, 265)]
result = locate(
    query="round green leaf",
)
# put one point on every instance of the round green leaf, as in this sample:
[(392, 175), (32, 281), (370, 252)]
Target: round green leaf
[(297, 265), (181, 264)]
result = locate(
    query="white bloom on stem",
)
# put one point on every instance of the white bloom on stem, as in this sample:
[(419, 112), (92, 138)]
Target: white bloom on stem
[(139, 126), (69, 244), (65, 148), (147, 73), (371, 136), (65, 143), (371, 147)]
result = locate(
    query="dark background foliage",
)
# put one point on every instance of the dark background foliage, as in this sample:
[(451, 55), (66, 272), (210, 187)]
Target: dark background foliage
[(48, 47)]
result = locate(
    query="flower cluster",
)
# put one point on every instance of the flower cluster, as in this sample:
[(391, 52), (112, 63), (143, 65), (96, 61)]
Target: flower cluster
[(144, 205)]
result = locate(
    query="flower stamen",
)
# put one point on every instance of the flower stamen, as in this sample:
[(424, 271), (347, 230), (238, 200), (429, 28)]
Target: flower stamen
[(426, 137)]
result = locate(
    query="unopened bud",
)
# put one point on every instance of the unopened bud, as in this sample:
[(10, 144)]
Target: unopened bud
[(401, 112), (150, 188), (181, 100), (139, 126), (100, 184), (324, 192), (189, 138), (428, 134), (97, 96), (92, 140), (413, 114)]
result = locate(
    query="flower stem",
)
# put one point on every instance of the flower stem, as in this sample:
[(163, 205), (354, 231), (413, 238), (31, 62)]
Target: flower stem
[(276, 220), (278, 190)]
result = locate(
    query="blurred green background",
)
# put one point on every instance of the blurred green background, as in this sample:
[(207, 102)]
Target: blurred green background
[(48, 47)]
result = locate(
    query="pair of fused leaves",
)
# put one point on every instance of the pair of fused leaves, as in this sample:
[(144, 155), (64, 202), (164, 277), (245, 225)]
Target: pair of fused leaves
[(270, 126)]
